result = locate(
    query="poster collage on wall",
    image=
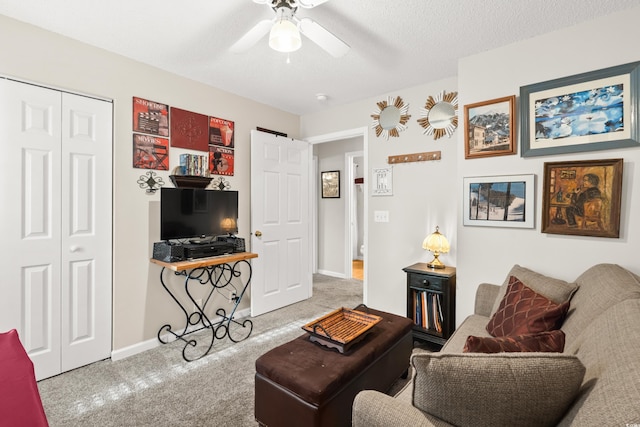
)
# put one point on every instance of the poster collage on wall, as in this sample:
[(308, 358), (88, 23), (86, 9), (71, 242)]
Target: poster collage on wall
[(158, 126)]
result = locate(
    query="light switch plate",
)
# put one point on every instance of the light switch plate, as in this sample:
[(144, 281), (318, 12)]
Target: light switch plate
[(381, 216)]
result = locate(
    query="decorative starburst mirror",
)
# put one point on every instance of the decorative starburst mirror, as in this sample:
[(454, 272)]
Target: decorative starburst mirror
[(391, 117), (439, 117)]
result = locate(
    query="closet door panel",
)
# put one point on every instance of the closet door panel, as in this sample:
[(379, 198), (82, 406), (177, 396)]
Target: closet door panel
[(30, 220), (86, 230)]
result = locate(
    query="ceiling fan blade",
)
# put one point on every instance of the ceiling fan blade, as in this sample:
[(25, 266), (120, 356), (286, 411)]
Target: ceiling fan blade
[(252, 36), (308, 4), (323, 38)]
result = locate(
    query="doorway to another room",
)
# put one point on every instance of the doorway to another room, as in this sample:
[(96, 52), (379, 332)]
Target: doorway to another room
[(340, 222), (355, 201)]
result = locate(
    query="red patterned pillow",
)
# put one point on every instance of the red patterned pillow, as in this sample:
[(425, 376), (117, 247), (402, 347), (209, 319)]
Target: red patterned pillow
[(551, 341), (523, 311)]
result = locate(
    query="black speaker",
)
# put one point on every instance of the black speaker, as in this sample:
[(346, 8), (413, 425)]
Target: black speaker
[(238, 242), (163, 251)]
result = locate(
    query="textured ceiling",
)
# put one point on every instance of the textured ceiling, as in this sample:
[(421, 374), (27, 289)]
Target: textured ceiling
[(394, 44)]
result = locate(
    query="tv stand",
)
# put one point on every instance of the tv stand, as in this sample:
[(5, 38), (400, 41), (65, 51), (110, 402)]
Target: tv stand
[(217, 273)]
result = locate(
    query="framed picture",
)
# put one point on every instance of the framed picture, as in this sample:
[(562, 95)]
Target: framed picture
[(499, 201), (597, 110), (490, 128), (330, 184), (382, 182), (582, 198)]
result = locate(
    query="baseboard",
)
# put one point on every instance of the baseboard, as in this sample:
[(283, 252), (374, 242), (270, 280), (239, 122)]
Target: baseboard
[(332, 274), (132, 350)]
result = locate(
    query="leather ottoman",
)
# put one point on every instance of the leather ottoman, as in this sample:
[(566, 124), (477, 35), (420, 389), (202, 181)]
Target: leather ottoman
[(302, 383)]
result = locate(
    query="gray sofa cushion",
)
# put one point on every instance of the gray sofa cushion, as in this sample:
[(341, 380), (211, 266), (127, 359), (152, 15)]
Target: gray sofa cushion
[(600, 287), (506, 389), (556, 290), (610, 351)]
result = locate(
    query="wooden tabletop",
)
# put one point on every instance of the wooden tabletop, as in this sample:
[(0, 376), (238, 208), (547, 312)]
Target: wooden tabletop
[(205, 262)]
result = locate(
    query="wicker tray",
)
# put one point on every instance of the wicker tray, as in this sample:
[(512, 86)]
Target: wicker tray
[(341, 328)]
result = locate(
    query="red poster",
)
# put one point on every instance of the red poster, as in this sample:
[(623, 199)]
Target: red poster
[(150, 117), (189, 130), (150, 152), (221, 132), (220, 160)]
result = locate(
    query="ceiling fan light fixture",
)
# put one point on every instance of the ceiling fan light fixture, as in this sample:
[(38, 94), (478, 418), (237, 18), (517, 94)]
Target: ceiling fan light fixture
[(284, 36)]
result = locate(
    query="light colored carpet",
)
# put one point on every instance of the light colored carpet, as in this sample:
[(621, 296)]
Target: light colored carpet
[(158, 388)]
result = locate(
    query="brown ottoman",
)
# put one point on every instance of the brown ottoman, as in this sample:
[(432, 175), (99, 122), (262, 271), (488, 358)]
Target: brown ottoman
[(302, 383)]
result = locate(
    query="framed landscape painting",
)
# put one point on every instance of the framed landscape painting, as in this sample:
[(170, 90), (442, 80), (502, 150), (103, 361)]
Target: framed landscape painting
[(330, 184), (499, 201), (582, 198), (490, 128), (597, 110)]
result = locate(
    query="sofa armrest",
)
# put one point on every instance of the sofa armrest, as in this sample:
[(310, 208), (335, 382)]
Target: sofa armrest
[(486, 295), (375, 409)]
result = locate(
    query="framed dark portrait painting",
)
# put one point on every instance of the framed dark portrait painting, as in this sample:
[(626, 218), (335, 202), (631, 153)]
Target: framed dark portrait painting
[(582, 198)]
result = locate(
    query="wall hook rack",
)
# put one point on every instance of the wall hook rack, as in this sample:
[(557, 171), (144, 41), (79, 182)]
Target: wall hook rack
[(416, 157)]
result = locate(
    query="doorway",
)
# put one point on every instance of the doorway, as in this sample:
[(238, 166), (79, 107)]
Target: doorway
[(346, 264), (354, 165)]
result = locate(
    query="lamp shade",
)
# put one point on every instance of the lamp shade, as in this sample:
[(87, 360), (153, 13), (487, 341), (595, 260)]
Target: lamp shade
[(228, 224), (284, 36), (438, 244)]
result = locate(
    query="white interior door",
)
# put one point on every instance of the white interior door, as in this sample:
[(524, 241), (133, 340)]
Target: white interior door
[(56, 220), (30, 152), (280, 222), (86, 230)]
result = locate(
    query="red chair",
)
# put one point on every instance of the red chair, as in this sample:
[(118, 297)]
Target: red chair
[(20, 403)]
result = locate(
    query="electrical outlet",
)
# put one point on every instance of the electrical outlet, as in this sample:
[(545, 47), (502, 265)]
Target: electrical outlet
[(233, 297)]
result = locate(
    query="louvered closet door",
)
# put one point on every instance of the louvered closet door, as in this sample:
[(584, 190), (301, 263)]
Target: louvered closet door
[(55, 286)]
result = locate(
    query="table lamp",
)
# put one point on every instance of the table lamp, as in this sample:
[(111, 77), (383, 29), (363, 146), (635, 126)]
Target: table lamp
[(228, 225), (437, 244)]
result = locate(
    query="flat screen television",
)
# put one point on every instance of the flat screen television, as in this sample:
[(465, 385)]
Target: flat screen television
[(194, 213)]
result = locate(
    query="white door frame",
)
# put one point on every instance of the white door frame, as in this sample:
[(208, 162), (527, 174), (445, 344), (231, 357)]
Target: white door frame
[(336, 136), (349, 201)]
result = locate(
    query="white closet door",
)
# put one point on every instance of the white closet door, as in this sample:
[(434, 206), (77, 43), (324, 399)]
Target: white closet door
[(56, 288), (30, 223), (86, 230)]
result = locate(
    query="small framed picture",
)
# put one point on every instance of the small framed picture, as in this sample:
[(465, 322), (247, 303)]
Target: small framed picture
[(490, 128), (582, 198), (330, 184), (499, 201)]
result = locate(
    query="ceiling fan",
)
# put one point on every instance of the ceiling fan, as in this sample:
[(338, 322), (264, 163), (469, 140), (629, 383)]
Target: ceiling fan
[(285, 29)]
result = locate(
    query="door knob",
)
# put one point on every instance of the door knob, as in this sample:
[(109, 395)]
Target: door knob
[(258, 233), (74, 248)]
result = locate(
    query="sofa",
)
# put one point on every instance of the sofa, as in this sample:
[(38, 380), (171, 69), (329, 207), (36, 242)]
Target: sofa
[(593, 379)]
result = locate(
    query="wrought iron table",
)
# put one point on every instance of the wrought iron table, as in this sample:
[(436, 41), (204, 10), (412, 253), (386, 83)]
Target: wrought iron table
[(217, 273)]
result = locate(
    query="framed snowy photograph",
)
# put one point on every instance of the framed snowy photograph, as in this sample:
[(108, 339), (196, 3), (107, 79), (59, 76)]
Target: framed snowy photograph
[(597, 110), (499, 201)]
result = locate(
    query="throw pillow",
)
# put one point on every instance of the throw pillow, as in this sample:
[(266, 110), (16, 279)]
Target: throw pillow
[(556, 290), (523, 311), (504, 389), (551, 341)]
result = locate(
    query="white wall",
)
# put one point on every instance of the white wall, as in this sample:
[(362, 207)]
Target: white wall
[(424, 193), (140, 305), (430, 194), (487, 254)]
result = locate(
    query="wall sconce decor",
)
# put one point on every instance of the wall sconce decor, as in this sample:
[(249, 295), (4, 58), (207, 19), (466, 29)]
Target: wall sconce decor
[(439, 117), (150, 181), (391, 117)]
